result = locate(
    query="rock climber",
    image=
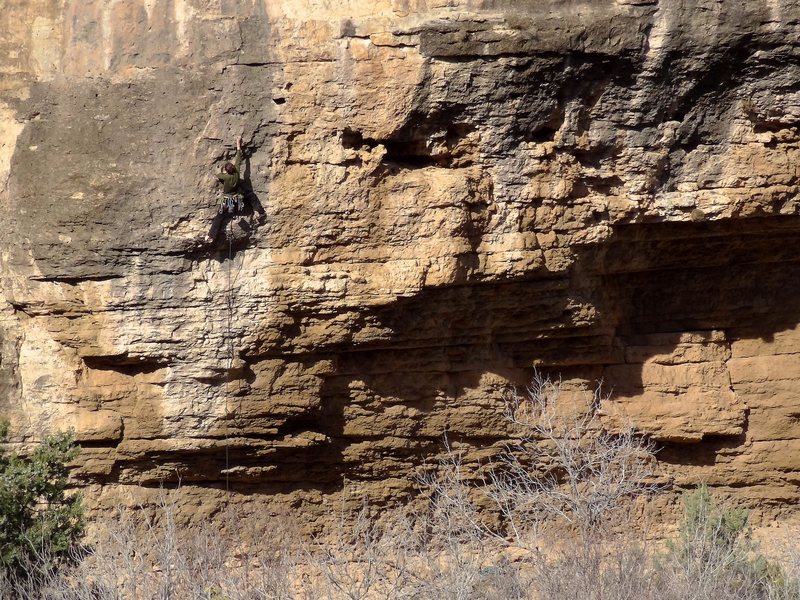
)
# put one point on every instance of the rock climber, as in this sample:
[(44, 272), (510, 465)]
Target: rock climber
[(229, 176), (232, 197)]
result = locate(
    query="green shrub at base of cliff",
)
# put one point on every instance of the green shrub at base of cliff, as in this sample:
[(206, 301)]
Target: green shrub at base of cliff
[(40, 524), (709, 531), (715, 555)]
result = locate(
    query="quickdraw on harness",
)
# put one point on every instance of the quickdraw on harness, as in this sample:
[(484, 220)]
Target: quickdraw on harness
[(232, 203)]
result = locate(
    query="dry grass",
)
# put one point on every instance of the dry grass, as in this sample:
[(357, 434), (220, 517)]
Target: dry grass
[(395, 559)]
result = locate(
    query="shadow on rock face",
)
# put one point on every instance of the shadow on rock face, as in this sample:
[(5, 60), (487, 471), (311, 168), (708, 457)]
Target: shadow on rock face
[(664, 314), (657, 314)]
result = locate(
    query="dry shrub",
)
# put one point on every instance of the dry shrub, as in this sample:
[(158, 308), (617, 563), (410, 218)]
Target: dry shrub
[(145, 555)]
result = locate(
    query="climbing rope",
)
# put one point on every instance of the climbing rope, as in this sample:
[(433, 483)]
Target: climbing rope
[(231, 279), (231, 349), (229, 340)]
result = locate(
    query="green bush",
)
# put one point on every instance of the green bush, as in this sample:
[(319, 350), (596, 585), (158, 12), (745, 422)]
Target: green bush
[(709, 531), (39, 522), (714, 548)]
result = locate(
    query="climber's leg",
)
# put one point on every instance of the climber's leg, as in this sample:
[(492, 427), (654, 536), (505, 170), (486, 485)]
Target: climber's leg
[(216, 225)]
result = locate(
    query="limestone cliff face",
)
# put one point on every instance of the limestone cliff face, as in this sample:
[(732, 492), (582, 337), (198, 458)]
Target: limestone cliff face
[(444, 195)]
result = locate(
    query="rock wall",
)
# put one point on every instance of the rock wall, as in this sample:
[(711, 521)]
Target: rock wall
[(442, 196)]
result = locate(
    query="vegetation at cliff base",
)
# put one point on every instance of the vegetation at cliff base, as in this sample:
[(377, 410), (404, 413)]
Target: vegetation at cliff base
[(553, 514), (40, 522)]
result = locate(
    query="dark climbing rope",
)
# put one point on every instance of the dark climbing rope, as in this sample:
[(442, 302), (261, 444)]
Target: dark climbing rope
[(231, 351), (229, 340)]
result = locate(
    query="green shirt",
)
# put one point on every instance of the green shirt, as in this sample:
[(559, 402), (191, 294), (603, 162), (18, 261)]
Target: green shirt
[(230, 183)]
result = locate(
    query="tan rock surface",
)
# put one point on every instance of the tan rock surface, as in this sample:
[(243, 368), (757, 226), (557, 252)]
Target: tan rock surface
[(444, 196)]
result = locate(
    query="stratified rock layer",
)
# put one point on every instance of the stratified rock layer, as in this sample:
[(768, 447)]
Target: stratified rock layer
[(442, 196)]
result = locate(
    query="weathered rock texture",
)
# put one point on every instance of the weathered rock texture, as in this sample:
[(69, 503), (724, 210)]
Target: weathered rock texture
[(445, 194)]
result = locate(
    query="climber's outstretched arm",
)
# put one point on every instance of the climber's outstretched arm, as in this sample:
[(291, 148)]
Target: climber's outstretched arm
[(238, 160)]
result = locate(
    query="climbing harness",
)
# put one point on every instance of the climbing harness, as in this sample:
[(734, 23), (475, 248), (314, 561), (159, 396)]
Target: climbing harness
[(232, 203)]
